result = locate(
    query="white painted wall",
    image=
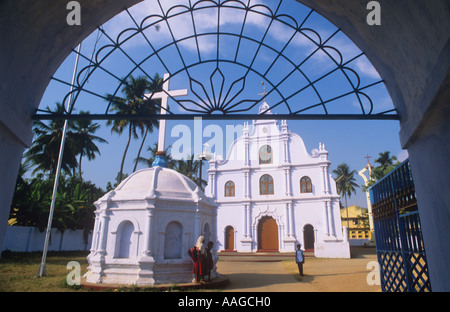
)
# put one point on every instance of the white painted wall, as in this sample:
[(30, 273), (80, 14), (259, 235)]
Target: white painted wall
[(28, 239)]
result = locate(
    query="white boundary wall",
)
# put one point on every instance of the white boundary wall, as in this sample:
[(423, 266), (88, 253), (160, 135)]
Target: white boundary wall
[(25, 238)]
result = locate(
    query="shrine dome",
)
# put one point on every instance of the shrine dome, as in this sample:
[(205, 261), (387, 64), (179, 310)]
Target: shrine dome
[(144, 228), (157, 182)]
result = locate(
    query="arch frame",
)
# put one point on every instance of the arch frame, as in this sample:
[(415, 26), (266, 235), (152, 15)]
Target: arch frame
[(421, 99), (230, 109)]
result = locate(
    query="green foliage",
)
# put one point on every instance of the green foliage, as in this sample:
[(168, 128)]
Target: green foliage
[(345, 180), (74, 205), (134, 103), (43, 153), (386, 163), (188, 167)]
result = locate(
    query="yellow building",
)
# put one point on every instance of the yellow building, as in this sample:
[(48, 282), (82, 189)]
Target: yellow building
[(357, 222)]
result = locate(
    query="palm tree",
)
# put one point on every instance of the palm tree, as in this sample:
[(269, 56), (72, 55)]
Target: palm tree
[(84, 130), (189, 168), (386, 163), (44, 151), (345, 182), (149, 161), (149, 107), (132, 104)]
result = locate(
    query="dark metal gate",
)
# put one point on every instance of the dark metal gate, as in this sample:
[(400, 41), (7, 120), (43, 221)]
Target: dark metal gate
[(398, 235)]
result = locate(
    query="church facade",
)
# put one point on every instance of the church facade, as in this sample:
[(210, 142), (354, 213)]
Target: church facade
[(272, 194)]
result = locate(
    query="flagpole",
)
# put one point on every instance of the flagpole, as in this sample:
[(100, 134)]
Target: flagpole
[(42, 270)]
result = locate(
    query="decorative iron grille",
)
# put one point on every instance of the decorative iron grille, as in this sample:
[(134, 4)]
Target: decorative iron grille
[(222, 50), (398, 236)]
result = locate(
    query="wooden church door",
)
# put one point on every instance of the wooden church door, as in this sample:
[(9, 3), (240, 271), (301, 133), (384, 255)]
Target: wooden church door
[(268, 234), (229, 238), (308, 234)]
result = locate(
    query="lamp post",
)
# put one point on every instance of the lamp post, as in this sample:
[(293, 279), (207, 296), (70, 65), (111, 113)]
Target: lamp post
[(42, 267), (203, 156)]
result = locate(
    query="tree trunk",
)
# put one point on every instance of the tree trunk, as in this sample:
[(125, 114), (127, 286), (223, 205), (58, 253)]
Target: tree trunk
[(79, 167), (140, 149), (346, 208), (123, 158)]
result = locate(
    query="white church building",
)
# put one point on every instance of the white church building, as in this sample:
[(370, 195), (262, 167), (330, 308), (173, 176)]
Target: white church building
[(272, 194)]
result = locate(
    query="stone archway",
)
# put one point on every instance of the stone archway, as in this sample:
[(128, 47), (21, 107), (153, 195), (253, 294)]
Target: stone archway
[(415, 68)]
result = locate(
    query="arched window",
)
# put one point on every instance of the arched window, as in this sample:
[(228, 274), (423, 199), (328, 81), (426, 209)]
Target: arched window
[(265, 155), (123, 239), (305, 185), (266, 185), (229, 189), (173, 241)]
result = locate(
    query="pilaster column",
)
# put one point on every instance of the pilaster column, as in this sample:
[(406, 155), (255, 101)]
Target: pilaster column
[(325, 220), (322, 169), (148, 227), (246, 220), (288, 220), (326, 180), (103, 232), (95, 234), (246, 183), (291, 219), (330, 219), (246, 144), (212, 181), (287, 182)]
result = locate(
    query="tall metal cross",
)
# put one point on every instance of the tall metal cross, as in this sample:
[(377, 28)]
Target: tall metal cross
[(368, 157), (264, 93), (164, 96)]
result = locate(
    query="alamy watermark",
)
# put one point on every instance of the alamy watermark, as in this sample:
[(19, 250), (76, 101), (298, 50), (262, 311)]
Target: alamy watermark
[(373, 277), (74, 276), (374, 16), (74, 16)]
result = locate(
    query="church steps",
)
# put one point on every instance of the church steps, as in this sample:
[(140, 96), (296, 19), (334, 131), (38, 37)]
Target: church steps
[(260, 256)]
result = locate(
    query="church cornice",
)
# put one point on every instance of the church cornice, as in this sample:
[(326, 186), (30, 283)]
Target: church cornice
[(283, 200)]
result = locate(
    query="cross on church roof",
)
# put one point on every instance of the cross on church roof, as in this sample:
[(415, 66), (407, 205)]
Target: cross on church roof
[(368, 157), (264, 108), (164, 96), (264, 93)]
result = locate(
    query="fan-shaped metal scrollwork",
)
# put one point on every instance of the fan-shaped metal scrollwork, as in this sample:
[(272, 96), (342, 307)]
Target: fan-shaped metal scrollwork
[(222, 51)]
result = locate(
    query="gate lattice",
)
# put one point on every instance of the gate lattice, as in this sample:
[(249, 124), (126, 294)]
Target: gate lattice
[(398, 235)]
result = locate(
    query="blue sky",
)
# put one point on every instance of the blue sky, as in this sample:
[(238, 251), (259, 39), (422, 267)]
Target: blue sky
[(346, 141)]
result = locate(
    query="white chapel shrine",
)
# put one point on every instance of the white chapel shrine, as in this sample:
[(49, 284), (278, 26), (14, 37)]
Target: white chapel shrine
[(144, 228), (272, 194)]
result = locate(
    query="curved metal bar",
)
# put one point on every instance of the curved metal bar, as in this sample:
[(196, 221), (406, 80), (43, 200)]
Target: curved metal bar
[(218, 98)]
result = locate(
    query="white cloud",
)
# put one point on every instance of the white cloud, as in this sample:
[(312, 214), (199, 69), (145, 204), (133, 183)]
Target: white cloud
[(366, 68)]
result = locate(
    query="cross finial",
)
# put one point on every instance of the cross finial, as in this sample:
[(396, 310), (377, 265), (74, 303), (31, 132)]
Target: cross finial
[(368, 157), (264, 93), (164, 97)]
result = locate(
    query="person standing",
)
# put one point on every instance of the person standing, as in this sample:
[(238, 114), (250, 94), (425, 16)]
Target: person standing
[(198, 256), (209, 259), (299, 259)]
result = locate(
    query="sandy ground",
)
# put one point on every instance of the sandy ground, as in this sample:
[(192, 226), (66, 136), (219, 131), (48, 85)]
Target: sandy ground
[(320, 275)]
